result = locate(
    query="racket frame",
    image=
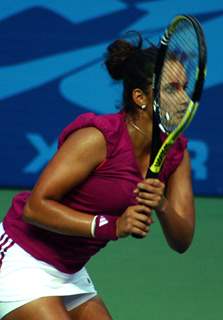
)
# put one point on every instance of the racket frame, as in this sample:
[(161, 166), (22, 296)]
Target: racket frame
[(158, 154)]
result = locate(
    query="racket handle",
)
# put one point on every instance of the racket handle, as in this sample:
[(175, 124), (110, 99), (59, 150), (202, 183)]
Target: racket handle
[(151, 174)]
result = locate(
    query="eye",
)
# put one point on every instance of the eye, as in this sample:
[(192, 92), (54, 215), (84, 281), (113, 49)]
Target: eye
[(171, 88)]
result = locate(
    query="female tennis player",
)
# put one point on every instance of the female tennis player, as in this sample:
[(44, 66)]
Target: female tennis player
[(93, 190)]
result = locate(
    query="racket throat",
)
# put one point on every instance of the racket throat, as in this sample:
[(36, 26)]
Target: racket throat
[(157, 164)]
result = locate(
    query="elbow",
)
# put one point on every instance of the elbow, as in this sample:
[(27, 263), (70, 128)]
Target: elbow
[(183, 241), (179, 248), (28, 213), (182, 247)]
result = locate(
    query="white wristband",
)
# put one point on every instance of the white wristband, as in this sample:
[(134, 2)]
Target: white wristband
[(93, 224)]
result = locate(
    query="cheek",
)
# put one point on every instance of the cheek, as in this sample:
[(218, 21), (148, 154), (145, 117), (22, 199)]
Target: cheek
[(167, 100), (170, 100)]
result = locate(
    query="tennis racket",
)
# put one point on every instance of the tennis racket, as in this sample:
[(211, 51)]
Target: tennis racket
[(177, 84)]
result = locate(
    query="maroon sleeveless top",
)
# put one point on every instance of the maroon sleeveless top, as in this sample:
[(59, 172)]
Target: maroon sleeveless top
[(108, 190)]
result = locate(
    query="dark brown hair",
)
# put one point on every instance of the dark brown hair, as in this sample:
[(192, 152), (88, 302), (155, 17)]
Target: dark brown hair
[(132, 64)]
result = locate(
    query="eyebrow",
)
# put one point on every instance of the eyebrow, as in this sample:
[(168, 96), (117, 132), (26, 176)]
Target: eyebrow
[(177, 84)]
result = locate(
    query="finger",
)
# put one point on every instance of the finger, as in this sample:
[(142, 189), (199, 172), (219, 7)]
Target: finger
[(143, 218), (140, 225), (150, 184), (143, 209), (151, 203), (138, 232), (149, 189), (154, 182), (150, 195)]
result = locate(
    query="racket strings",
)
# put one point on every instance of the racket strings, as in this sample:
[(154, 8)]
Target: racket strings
[(178, 76)]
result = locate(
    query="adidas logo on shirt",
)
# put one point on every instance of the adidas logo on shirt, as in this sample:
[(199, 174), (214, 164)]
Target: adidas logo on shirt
[(103, 221)]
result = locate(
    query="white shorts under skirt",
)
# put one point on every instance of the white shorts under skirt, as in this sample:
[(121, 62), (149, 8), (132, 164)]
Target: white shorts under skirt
[(24, 278)]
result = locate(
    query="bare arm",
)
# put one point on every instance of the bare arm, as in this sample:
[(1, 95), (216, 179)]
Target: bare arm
[(80, 154), (177, 214), (83, 151), (176, 210)]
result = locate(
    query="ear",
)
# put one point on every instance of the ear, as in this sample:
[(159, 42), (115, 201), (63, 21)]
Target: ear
[(139, 97)]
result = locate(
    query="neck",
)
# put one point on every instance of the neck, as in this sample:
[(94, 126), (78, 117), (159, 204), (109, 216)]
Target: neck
[(140, 131), (137, 128)]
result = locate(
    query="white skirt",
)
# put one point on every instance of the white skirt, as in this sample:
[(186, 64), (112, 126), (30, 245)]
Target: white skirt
[(24, 278)]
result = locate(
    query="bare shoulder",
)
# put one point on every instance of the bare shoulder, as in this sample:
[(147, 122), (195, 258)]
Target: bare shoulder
[(75, 160), (90, 136), (83, 143)]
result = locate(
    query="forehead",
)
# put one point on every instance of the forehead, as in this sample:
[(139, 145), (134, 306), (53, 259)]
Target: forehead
[(173, 71)]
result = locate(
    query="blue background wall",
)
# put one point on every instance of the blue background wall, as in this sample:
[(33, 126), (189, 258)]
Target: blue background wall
[(51, 70)]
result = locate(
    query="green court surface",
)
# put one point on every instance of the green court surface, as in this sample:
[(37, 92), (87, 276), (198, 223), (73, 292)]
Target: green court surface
[(144, 279)]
